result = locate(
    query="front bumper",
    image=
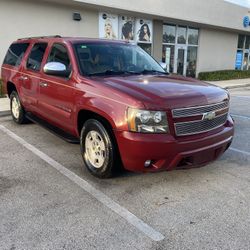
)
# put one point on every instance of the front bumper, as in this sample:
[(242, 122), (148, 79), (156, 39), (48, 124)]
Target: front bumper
[(167, 152)]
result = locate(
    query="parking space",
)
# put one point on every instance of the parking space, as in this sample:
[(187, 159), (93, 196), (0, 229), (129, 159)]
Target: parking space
[(41, 208)]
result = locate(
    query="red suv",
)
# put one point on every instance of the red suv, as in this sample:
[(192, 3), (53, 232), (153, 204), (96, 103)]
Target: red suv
[(118, 102)]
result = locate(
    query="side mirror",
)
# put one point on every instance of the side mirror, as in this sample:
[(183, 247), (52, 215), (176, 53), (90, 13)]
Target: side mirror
[(56, 69)]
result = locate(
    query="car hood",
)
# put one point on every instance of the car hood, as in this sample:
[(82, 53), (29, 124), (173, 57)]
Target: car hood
[(164, 92)]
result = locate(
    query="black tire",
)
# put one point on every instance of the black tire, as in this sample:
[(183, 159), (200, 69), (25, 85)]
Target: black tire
[(19, 117), (111, 159)]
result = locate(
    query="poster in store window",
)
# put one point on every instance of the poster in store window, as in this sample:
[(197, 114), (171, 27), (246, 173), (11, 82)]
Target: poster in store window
[(126, 28), (144, 30), (239, 57), (108, 26)]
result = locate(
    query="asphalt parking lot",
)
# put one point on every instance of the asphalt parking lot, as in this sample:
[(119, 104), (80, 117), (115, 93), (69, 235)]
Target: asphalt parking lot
[(49, 201)]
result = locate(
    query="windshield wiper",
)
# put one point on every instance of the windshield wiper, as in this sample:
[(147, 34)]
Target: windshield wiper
[(146, 71), (120, 72), (112, 72)]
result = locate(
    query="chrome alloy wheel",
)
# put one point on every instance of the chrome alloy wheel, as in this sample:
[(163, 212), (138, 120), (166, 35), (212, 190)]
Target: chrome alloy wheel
[(95, 149), (15, 107)]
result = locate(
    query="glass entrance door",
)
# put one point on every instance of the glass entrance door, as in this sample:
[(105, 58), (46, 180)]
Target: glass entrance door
[(246, 61), (180, 60)]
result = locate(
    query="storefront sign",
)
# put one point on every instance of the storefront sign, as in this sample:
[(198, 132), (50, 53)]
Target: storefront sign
[(144, 31), (108, 26), (239, 57), (246, 21), (126, 28)]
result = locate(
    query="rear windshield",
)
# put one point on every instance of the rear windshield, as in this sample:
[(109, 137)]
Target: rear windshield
[(109, 59), (15, 54)]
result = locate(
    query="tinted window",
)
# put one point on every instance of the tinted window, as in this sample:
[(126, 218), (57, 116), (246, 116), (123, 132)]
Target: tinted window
[(15, 54), (36, 56), (59, 54)]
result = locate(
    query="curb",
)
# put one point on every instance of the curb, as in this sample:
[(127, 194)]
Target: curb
[(237, 86), (5, 113)]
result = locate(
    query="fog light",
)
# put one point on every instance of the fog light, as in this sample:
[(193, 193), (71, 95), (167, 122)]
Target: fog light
[(147, 163)]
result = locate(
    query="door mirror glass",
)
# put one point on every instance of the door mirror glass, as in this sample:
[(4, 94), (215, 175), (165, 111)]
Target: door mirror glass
[(56, 69)]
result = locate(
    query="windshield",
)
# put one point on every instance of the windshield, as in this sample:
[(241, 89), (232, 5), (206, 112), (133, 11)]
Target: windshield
[(115, 59)]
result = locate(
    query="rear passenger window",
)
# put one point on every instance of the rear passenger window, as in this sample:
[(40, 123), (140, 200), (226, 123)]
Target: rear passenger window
[(36, 56), (59, 54), (15, 54)]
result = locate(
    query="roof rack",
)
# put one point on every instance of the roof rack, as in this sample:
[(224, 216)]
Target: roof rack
[(40, 37)]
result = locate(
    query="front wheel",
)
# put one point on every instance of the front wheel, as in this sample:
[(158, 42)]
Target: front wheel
[(98, 149), (16, 108)]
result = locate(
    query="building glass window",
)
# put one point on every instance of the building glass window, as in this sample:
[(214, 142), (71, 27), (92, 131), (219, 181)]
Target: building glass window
[(181, 35), (245, 61), (241, 41), (193, 36), (168, 57), (180, 49), (247, 43), (191, 61), (169, 33), (242, 61)]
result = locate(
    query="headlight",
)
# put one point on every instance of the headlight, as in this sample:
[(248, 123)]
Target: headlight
[(146, 121)]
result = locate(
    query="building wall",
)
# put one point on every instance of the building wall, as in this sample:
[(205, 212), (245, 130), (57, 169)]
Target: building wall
[(157, 40), (30, 18), (217, 50), (211, 12)]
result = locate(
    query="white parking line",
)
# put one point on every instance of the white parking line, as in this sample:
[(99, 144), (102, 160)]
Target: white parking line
[(101, 197), (241, 116), (240, 151), (241, 96)]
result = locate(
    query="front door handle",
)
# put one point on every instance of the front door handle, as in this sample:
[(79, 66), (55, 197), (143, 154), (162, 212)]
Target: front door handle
[(43, 84)]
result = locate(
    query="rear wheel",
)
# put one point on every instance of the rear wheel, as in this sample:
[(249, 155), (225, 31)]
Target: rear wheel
[(98, 149), (16, 108)]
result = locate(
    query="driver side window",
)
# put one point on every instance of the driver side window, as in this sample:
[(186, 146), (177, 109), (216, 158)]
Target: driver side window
[(59, 54)]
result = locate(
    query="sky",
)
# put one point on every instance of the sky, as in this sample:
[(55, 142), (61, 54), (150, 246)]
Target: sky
[(244, 3)]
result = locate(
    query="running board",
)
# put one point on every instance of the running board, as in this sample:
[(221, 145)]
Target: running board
[(54, 130)]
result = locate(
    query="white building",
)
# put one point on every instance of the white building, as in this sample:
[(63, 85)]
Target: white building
[(191, 36)]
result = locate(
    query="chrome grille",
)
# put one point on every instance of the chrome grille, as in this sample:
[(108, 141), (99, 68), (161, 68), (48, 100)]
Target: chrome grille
[(196, 127), (199, 110)]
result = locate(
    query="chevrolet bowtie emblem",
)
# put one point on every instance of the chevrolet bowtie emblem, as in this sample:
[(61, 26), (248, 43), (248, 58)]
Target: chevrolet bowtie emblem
[(209, 116)]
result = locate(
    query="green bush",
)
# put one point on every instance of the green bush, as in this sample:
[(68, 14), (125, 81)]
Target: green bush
[(1, 89), (224, 75)]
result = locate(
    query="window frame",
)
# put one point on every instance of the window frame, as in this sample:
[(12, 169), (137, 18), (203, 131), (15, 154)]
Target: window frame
[(244, 50), (24, 54), (176, 44), (44, 55), (69, 55)]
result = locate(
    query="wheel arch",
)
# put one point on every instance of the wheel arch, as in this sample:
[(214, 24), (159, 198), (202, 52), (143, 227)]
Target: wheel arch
[(86, 114), (10, 88)]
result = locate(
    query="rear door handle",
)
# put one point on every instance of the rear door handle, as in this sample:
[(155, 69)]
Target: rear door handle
[(43, 84), (24, 78)]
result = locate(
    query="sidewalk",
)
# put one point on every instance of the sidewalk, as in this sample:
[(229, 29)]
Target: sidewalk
[(4, 106), (231, 84)]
